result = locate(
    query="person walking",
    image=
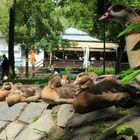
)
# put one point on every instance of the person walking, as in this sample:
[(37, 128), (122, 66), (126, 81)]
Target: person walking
[(5, 68)]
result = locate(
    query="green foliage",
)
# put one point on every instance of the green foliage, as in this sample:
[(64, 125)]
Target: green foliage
[(127, 72), (69, 12), (100, 127), (77, 14), (67, 70), (40, 132), (37, 24), (135, 3), (124, 129), (35, 19), (99, 70), (131, 28), (34, 118), (129, 75), (55, 111), (4, 17)]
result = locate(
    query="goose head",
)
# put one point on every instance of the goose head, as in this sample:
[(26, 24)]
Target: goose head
[(122, 14)]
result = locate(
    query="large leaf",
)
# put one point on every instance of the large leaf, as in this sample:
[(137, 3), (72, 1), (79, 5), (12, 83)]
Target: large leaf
[(126, 72), (130, 77), (137, 28), (133, 27)]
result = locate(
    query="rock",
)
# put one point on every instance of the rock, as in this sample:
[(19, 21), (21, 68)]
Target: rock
[(3, 124), (65, 112), (134, 123), (32, 111), (82, 125), (11, 131), (79, 119), (3, 106), (132, 120), (39, 129), (11, 113)]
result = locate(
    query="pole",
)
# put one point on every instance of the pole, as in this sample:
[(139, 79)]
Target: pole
[(104, 25), (33, 71), (26, 53)]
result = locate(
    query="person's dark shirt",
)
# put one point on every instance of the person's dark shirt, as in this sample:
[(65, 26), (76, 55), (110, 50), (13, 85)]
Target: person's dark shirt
[(5, 64)]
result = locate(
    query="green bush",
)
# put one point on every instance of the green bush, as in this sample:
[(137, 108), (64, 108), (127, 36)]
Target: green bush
[(124, 129), (129, 75), (99, 70), (67, 70)]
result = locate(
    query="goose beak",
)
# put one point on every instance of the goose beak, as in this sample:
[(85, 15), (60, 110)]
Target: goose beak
[(105, 16)]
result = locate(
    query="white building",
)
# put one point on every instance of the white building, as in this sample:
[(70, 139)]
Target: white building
[(17, 51), (18, 54)]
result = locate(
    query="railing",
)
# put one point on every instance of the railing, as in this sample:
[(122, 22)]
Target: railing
[(43, 66), (58, 65)]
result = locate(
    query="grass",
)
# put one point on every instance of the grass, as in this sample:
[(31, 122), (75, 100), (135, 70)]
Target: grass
[(101, 127), (40, 132), (43, 78), (34, 118), (99, 70), (55, 111), (30, 81)]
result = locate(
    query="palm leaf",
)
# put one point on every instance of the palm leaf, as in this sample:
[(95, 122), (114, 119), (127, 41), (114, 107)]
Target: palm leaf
[(127, 72), (133, 27), (130, 77)]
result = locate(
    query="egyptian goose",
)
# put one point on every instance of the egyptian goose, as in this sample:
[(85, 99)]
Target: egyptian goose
[(126, 16)]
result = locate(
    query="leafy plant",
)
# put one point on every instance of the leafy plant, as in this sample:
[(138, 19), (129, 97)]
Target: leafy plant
[(40, 132), (129, 75), (55, 111), (34, 118), (101, 127), (127, 72), (99, 70), (131, 28), (67, 70), (124, 129)]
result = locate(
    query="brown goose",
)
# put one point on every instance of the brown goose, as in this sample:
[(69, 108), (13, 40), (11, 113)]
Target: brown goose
[(126, 16)]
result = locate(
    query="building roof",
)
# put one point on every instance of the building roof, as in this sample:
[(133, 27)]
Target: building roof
[(74, 34), (82, 39)]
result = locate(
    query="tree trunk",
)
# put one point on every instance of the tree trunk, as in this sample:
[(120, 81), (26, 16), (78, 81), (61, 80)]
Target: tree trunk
[(11, 41), (45, 59), (119, 55)]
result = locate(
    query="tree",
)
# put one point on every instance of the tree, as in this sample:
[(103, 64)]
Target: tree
[(11, 40), (36, 24), (4, 17), (36, 20), (7, 18)]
